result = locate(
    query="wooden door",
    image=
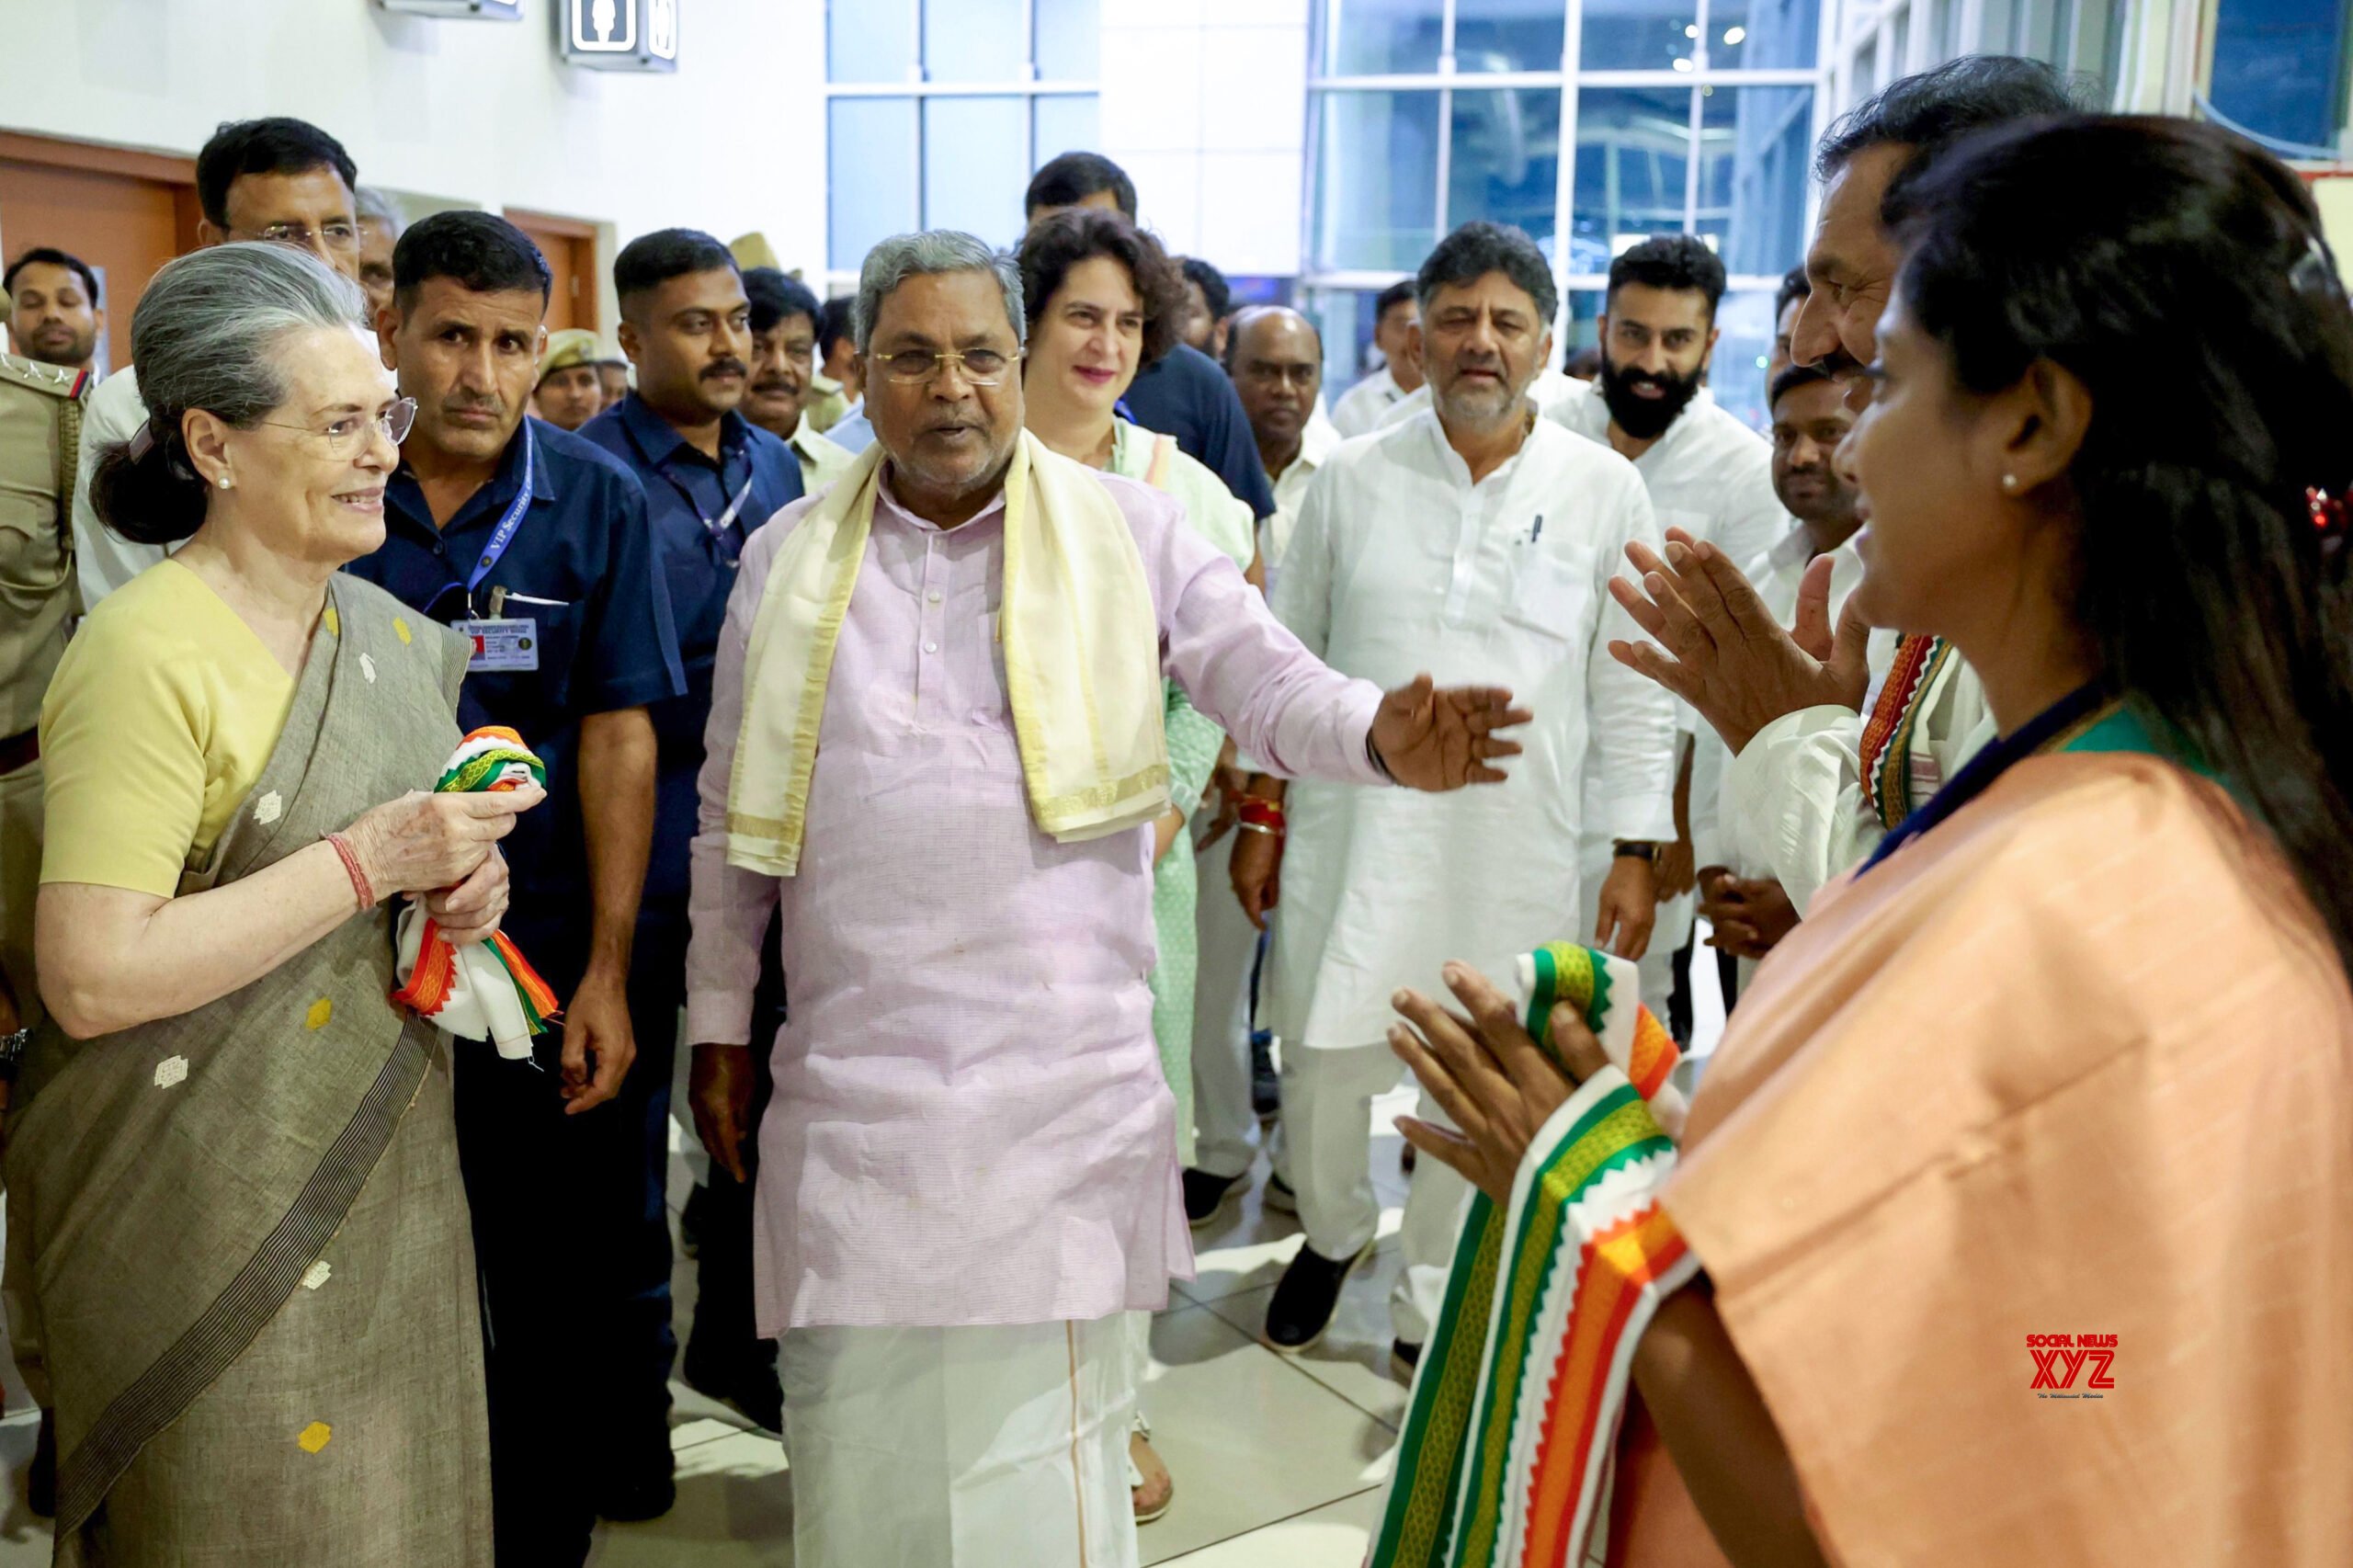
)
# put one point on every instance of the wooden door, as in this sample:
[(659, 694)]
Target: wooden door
[(570, 247), (124, 212)]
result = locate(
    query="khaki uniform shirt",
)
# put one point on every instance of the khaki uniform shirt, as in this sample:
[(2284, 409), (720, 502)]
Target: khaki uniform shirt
[(40, 410)]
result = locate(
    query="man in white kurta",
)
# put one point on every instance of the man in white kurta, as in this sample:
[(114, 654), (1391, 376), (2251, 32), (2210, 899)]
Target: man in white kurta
[(1707, 474), (1396, 315), (1406, 555)]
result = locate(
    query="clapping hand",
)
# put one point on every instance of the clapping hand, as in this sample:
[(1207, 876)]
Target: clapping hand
[(1723, 651), (1438, 740)]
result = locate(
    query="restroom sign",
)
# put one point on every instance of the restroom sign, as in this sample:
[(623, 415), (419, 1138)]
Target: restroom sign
[(621, 35)]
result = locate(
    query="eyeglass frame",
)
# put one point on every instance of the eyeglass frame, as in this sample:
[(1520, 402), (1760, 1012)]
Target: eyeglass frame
[(384, 422), (346, 242), (940, 362)]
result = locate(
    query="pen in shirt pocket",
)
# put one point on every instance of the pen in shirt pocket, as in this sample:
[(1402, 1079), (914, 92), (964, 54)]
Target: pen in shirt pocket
[(1537, 532)]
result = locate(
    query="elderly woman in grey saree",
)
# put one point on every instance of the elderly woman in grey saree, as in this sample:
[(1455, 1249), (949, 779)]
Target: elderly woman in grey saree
[(240, 1268)]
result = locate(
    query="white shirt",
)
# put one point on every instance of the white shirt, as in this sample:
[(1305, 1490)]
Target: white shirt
[(1777, 574), (103, 560), (1315, 443), (1400, 564), (1551, 386), (1361, 406)]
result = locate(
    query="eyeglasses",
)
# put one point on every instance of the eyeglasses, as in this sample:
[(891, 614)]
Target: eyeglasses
[(979, 367), (334, 234), (347, 435)]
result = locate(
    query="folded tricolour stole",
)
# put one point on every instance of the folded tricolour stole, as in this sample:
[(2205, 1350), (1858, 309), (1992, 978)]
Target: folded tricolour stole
[(484, 990), (1505, 1455)]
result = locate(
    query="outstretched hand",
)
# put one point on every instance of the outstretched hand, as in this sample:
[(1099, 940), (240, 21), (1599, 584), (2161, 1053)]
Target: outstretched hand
[(1436, 740), (1720, 649)]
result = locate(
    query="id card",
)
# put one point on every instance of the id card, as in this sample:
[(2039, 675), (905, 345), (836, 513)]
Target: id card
[(505, 645)]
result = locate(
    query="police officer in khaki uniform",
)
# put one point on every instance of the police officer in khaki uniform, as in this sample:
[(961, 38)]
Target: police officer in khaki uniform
[(40, 419)]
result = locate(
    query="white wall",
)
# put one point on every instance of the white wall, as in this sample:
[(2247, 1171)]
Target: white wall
[(1205, 106), (477, 112)]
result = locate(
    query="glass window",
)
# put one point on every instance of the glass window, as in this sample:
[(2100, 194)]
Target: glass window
[(1504, 159), (1375, 179), (2280, 67), (1344, 318), (870, 175), (975, 165), (1069, 45), (1066, 122), (1639, 35), (1763, 35), (869, 40), (1756, 149), (1376, 38), (974, 41), (1581, 330), (1508, 35), (1633, 153), (1736, 374)]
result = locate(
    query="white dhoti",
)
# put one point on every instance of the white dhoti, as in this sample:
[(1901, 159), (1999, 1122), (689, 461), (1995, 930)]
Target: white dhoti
[(961, 1448)]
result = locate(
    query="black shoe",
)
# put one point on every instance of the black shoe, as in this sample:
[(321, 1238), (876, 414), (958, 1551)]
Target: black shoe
[(1266, 1083), (1303, 1303), (1280, 1196), (746, 1383), (1207, 1196), (40, 1480), (691, 1218), (647, 1495), (1404, 1361)]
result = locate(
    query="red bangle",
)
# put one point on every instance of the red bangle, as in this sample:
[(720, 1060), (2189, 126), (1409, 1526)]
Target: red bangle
[(366, 894), (1260, 813)]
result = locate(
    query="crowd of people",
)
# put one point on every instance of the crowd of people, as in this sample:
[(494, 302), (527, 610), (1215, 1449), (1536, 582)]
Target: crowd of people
[(928, 686)]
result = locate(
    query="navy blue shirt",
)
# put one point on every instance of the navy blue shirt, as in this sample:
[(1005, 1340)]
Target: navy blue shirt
[(579, 566), (687, 496), (1188, 396)]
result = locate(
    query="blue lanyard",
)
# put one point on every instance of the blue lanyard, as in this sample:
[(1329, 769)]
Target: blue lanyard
[(504, 534)]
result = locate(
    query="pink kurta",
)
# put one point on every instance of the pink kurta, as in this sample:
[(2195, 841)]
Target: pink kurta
[(970, 1124)]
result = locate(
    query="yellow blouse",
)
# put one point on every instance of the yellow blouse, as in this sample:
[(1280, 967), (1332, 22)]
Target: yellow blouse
[(161, 715)]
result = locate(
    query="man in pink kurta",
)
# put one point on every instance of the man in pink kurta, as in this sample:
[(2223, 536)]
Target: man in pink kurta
[(968, 1165)]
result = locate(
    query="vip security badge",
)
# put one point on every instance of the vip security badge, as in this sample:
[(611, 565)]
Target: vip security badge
[(505, 645), (2071, 1365)]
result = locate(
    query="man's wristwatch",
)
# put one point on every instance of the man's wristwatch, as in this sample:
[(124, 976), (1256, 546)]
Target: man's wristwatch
[(1634, 849), (12, 1053)]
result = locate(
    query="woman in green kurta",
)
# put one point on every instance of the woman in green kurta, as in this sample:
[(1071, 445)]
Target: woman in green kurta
[(239, 1258), (1103, 302)]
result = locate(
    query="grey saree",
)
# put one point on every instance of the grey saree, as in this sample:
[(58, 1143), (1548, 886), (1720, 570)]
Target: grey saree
[(239, 1251)]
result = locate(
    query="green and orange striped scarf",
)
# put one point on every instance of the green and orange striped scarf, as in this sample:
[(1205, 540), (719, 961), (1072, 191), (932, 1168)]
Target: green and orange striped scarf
[(1505, 1455)]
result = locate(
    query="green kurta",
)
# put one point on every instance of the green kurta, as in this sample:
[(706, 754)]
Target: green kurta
[(1193, 745)]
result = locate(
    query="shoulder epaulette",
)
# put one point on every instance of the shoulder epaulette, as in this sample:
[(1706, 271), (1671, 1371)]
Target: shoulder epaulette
[(54, 380)]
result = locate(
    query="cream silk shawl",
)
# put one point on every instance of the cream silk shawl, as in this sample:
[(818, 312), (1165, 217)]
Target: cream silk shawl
[(1081, 659)]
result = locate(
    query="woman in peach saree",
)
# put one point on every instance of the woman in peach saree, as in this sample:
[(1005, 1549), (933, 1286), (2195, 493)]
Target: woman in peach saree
[(2021, 1191)]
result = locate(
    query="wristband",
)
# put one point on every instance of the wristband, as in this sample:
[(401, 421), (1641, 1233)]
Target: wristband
[(1259, 827), (366, 894), (1635, 850), (1263, 815)]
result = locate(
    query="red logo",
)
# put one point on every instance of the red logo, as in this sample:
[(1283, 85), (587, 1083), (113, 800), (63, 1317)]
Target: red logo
[(2066, 1363)]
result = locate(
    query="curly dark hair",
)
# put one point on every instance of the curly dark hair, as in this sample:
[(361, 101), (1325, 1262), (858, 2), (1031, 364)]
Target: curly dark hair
[(1055, 244)]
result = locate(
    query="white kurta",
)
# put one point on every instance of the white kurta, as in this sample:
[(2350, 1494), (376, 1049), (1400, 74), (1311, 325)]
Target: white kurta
[(1400, 564), (1315, 443), (103, 560), (1361, 406)]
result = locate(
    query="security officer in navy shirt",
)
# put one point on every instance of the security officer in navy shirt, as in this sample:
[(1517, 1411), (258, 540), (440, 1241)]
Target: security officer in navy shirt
[(538, 544)]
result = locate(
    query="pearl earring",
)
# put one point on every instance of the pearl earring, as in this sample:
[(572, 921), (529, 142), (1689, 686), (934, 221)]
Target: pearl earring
[(224, 481), (2010, 482)]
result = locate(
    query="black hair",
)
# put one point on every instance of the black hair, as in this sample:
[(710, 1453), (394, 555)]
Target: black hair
[(836, 319), (1796, 376), (1069, 179), (2179, 273), (1398, 294), (1054, 245), (1679, 262), (651, 260), (1480, 247), (1932, 111), (1215, 292), (1794, 287), (277, 146), (482, 252), (776, 295), (50, 255)]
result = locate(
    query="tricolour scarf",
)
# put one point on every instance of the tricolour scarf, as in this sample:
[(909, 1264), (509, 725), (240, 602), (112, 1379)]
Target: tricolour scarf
[(1081, 659), (1505, 1455)]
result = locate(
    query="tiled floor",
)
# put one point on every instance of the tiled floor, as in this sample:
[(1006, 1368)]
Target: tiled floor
[(1277, 1460)]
